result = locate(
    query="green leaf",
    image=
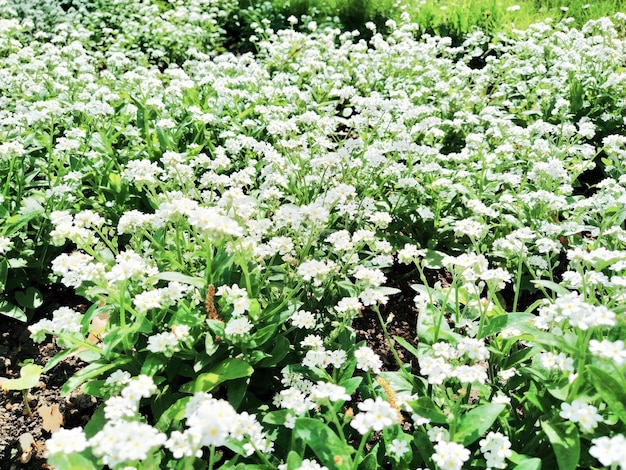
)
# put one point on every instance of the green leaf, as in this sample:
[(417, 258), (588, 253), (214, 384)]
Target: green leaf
[(351, 384), (523, 462), (565, 442), (180, 277), (13, 311), (153, 364), (91, 371), (370, 462), (174, 414), (96, 422), (553, 286), (30, 299), (4, 272), (611, 391), (501, 322), (426, 408), (73, 461), (229, 369), (544, 338), (424, 447), (406, 345), (277, 354), (433, 259), (293, 460), (329, 449), (237, 392), (262, 335), (29, 378), (97, 388), (58, 358), (276, 417), (473, 424)]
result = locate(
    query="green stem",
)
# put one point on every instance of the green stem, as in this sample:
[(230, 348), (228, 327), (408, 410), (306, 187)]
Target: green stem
[(211, 457), (357, 457), (335, 420), (518, 282), (122, 304), (246, 274), (388, 338), (79, 342)]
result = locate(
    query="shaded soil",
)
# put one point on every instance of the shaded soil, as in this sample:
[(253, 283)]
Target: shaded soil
[(400, 317), (45, 400)]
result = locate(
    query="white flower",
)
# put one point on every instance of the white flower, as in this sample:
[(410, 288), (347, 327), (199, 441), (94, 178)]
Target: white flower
[(578, 412), (210, 419), (66, 441), (311, 464), (367, 360), (399, 447), (5, 245), (450, 455), (124, 441), (612, 350), (496, 447), (610, 450), (375, 415), (303, 319), (325, 390), (238, 327)]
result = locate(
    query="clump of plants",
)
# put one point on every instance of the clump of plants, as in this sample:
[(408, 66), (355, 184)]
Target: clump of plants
[(229, 216)]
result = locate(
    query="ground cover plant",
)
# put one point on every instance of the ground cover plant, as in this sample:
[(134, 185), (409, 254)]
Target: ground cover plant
[(228, 217)]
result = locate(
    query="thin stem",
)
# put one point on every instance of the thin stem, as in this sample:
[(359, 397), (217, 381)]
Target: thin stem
[(211, 457), (518, 282), (357, 457), (390, 341)]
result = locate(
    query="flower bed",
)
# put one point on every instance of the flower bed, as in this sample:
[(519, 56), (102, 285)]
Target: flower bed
[(229, 218)]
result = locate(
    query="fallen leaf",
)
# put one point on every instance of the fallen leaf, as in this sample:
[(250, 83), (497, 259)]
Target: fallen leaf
[(52, 418), (98, 326), (26, 442)]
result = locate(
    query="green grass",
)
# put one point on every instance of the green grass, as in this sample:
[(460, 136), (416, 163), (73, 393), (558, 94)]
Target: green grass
[(454, 18)]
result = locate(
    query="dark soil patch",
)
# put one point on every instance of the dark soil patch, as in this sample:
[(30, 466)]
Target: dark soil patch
[(16, 348), (400, 317)]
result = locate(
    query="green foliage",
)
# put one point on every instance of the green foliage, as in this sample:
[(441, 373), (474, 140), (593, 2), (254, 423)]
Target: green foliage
[(228, 217)]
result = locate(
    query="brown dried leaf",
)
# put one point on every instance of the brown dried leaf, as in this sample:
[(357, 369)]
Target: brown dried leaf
[(52, 418), (97, 327)]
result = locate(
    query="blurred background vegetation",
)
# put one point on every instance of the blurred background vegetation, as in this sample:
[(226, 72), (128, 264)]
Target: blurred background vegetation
[(453, 18)]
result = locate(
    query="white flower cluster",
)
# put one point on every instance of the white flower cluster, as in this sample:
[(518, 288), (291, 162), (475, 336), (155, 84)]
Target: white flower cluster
[(445, 361), (610, 451), (123, 438), (578, 313), (65, 321), (496, 448), (160, 297), (611, 350), (76, 268), (586, 416), (168, 342), (375, 416), (212, 422), (75, 228), (450, 455)]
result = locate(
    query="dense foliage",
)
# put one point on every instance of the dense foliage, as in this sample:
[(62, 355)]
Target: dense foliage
[(228, 216)]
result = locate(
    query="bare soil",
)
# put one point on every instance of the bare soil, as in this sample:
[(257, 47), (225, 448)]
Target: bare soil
[(48, 407)]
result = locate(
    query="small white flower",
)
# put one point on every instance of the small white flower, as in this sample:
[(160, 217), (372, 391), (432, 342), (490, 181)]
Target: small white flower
[(450, 455), (609, 450), (579, 412), (399, 447), (66, 441)]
